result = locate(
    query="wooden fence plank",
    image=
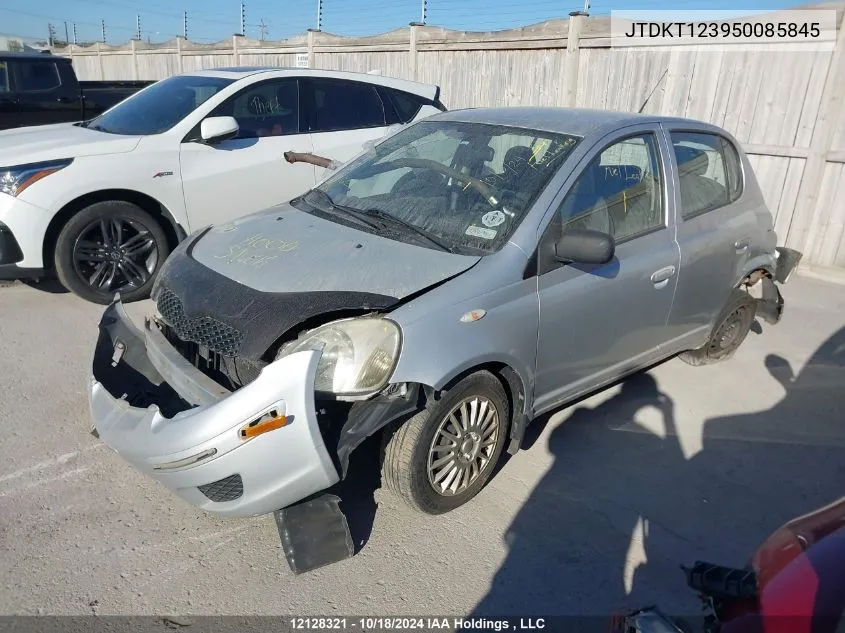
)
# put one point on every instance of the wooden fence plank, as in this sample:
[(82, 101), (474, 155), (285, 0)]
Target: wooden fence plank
[(786, 204), (832, 216)]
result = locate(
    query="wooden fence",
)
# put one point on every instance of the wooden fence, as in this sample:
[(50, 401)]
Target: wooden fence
[(786, 107)]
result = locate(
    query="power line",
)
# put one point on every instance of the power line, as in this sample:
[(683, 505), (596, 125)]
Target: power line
[(352, 17)]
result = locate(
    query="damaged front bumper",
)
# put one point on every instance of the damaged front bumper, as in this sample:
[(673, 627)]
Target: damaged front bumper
[(178, 426)]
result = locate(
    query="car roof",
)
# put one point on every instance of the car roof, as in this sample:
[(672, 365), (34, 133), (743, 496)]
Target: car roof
[(574, 121), (39, 56), (240, 72)]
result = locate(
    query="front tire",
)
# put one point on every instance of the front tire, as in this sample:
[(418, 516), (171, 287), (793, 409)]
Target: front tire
[(110, 247), (443, 456), (730, 331)]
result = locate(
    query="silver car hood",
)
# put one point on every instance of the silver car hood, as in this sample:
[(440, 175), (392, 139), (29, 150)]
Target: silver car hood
[(284, 250)]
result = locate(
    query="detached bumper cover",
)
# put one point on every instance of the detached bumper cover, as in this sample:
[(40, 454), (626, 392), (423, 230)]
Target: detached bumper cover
[(176, 425), (787, 261), (770, 305)]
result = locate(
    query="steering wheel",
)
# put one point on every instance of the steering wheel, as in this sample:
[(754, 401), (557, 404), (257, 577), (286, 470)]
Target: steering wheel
[(486, 191)]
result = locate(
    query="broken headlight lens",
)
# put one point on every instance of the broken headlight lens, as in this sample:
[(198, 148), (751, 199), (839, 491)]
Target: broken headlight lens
[(359, 355)]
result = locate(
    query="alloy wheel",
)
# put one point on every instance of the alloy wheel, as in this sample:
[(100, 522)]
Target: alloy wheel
[(463, 446), (115, 254)]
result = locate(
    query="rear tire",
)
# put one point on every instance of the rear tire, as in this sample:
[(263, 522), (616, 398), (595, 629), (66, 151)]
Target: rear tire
[(732, 326), (434, 474), (110, 247)]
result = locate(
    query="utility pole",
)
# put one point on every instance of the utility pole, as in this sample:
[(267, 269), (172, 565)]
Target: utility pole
[(185, 24), (103, 25), (262, 29), (67, 37), (319, 15), (586, 6), (51, 35), (74, 34), (243, 19), (138, 27), (424, 11)]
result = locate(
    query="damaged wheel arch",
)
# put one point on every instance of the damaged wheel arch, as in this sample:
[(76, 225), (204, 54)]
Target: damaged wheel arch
[(388, 410)]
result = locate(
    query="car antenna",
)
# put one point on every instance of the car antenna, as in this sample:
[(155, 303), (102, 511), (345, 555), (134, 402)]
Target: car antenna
[(642, 107)]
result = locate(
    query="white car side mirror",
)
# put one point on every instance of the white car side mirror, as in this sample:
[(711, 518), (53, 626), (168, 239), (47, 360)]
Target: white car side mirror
[(218, 128)]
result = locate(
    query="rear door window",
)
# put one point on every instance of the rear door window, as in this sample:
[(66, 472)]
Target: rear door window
[(337, 104), (709, 173), (37, 76)]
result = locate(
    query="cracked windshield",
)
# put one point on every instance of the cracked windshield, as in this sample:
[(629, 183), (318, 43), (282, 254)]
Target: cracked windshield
[(465, 185)]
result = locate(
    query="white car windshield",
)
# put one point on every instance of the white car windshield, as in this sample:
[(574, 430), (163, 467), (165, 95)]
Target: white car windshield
[(158, 107), (462, 187)]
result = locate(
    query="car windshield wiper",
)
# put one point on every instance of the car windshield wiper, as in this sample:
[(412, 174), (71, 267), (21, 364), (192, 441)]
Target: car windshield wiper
[(409, 227), (332, 206), (365, 217)]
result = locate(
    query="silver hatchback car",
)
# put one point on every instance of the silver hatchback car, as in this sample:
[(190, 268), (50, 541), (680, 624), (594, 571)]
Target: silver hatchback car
[(460, 278)]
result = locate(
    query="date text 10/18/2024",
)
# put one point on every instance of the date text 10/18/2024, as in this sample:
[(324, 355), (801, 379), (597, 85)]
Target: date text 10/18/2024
[(416, 624)]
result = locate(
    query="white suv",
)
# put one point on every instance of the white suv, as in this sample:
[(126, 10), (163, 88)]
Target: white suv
[(103, 202)]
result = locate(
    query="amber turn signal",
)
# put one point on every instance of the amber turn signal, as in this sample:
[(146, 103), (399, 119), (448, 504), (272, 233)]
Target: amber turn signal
[(268, 422)]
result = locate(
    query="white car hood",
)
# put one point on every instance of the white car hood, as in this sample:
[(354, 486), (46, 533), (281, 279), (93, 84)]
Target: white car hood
[(20, 146)]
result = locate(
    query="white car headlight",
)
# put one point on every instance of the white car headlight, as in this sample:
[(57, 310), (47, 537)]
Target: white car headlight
[(359, 354), (13, 180)]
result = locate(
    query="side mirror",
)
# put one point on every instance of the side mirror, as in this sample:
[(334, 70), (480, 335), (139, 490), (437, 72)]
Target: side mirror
[(218, 128), (585, 247)]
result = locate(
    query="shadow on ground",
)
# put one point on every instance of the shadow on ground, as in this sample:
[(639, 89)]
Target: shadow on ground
[(51, 286), (621, 508)]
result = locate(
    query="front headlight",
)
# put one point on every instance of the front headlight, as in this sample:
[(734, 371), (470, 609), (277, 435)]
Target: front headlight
[(359, 354), (13, 180)]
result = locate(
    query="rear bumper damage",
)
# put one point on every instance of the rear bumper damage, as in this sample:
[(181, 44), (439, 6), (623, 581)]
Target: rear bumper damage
[(770, 304), (176, 425)]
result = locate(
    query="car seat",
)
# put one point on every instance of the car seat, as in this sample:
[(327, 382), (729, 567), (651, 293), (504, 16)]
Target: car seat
[(698, 192)]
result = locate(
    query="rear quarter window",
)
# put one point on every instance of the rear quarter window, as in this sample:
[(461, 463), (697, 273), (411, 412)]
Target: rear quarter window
[(407, 106), (4, 77), (733, 168)]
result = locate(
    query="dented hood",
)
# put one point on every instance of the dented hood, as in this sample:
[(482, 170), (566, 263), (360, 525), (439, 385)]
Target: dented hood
[(291, 251), (236, 289)]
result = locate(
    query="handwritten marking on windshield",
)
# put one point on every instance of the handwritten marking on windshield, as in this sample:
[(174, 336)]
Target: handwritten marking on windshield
[(253, 250)]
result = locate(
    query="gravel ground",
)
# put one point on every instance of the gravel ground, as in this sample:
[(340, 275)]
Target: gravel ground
[(610, 496)]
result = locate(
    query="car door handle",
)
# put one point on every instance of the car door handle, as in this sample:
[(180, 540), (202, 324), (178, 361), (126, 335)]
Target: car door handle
[(662, 276), (741, 245)]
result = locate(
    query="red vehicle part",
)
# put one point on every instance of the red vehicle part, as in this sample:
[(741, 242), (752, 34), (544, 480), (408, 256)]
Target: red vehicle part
[(794, 584)]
